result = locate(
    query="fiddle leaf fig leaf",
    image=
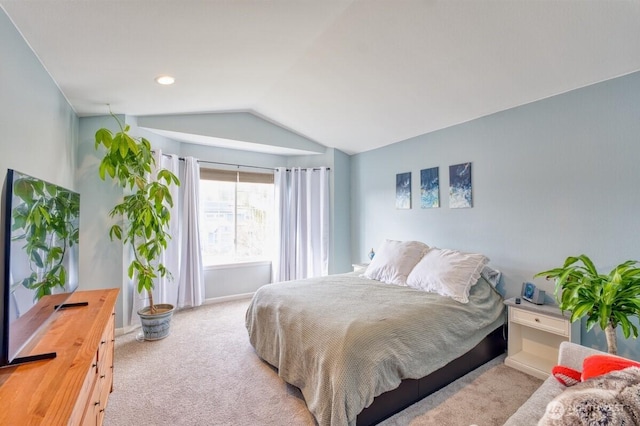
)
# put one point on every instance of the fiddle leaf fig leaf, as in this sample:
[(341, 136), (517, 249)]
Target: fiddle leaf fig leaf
[(115, 231), (124, 149), (115, 143), (101, 170), (133, 147), (104, 137)]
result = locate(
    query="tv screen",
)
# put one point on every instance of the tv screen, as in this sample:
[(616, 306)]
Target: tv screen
[(41, 236)]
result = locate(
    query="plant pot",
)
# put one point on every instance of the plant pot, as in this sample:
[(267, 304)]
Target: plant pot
[(156, 326)]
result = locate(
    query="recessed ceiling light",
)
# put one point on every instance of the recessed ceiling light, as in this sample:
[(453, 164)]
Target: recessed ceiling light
[(165, 80)]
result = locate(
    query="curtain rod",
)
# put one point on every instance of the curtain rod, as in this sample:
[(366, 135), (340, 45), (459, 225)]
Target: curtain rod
[(237, 165), (231, 164)]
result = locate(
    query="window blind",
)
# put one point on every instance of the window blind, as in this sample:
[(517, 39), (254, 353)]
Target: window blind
[(235, 176)]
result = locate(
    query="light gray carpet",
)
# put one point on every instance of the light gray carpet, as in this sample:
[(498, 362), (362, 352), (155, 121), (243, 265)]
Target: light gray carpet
[(206, 373)]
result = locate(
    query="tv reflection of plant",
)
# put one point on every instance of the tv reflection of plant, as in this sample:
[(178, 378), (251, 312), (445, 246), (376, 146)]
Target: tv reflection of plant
[(47, 219)]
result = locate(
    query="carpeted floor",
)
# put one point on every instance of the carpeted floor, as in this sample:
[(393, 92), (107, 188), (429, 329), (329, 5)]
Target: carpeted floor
[(485, 397), (206, 373)]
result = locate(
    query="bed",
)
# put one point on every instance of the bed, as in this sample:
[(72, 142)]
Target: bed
[(360, 349)]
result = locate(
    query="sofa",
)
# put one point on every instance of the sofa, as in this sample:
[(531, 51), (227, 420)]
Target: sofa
[(570, 355)]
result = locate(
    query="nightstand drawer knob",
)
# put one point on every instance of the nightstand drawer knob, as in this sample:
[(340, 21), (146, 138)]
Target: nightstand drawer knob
[(537, 319)]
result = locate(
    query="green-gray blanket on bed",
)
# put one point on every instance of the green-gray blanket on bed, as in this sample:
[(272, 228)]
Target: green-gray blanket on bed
[(343, 339)]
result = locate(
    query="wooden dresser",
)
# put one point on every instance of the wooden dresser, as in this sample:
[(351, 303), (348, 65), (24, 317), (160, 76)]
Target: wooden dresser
[(73, 387)]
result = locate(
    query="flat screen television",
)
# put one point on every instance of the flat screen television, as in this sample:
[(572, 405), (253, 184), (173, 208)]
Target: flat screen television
[(41, 235)]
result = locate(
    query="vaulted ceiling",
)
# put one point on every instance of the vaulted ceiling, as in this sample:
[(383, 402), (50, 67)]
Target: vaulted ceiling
[(354, 75)]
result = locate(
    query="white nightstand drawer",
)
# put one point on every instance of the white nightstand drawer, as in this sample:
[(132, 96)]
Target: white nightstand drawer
[(540, 321)]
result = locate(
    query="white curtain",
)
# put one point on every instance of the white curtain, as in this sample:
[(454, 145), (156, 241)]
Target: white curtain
[(166, 288), (182, 257), (302, 223), (191, 288)]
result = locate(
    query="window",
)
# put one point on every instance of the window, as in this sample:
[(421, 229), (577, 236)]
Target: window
[(237, 216)]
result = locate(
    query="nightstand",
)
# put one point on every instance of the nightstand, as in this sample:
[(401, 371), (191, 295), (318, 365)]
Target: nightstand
[(535, 334), (359, 267)]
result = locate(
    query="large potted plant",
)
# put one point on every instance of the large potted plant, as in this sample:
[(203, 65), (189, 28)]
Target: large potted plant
[(608, 300), (145, 211)]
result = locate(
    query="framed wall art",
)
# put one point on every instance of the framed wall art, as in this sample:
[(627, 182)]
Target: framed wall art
[(429, 188), (460, 186), (403, 190)]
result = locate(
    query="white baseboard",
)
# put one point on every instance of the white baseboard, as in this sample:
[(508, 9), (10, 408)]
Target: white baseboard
[(211, 301), (222, 299), (126, 330)]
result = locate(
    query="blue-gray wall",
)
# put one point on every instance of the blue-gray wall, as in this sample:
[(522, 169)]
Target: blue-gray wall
[(39, 128), (339, 193), (101, 263), (233, 126), (553, 178)]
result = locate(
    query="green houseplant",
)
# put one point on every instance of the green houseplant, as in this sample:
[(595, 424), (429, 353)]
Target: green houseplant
[(608, 300), (145, 210)]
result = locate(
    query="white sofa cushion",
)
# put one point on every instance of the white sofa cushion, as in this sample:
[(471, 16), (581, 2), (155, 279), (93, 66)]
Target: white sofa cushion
[(570, 355)]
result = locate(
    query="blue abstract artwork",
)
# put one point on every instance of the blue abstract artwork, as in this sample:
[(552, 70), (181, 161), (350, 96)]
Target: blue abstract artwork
[(429, 188), (460, 186), (403, 190)]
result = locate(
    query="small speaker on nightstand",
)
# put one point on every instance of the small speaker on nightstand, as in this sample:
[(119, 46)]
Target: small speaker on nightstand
[(531, 294)]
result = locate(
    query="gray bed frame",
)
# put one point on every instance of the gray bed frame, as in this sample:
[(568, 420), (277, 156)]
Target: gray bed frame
[(413, 390)]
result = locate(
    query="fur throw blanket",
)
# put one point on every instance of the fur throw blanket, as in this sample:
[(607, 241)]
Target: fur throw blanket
[(610, 399)]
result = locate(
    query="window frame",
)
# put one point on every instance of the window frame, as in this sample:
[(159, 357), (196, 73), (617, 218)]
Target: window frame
[(237, 177)]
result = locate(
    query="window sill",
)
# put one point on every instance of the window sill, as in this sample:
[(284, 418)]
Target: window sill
[(237, 265)]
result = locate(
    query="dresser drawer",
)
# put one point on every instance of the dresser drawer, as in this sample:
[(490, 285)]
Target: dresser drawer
[(540, 321), (80, 409), (105, 349)]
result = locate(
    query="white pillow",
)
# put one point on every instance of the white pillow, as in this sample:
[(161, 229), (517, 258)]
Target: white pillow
[(394, 260), (447, 272)]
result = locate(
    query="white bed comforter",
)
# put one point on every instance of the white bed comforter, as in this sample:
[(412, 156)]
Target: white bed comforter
[(343, 340)]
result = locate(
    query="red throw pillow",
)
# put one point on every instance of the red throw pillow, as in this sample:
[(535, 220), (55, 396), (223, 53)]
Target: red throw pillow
[(565, 375), (597, 365)]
